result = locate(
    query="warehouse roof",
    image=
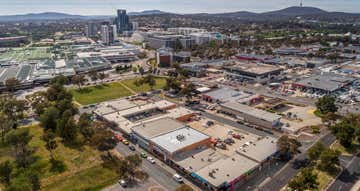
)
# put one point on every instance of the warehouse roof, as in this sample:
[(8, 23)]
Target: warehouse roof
[(326, 81), (157, 127), (225, 94), (258, 113)]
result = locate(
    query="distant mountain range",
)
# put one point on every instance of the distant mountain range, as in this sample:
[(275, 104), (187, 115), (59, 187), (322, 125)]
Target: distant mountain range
[(283, 14)]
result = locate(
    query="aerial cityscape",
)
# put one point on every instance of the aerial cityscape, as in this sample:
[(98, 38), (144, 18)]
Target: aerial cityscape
[(179, 96)]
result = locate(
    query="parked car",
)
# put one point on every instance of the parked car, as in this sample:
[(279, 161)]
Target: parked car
[(118, 137), (125, 142), (210, 123), (151, 160), (132, 148), (229, 141), (123, 183), (143, 155), (178, 178), (236, 136)]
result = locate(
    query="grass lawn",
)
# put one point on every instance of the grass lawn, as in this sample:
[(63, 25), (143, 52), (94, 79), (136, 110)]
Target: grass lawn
[(83, 166), (160, 83), (344, 151), (95, 94), (324, 179), (94, 178)]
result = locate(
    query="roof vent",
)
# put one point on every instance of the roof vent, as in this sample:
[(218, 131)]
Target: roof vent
[(180, 137)]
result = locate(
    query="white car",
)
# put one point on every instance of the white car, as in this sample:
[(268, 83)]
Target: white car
[(151, 160), (123, 183), (178, 178)]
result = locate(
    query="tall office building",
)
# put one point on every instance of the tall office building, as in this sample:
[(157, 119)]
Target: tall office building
[(135, 26), (107, 34), (122, 21), (91, 29)]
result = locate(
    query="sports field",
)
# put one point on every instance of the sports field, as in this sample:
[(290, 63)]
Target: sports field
[(25, 54)]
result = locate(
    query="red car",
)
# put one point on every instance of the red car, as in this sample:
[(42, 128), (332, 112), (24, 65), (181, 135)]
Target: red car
[(236, 136), (119, 137)]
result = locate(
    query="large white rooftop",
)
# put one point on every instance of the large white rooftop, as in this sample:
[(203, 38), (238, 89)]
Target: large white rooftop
[(179, 139)]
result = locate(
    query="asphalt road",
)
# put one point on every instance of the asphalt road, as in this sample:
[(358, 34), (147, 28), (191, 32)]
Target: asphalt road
[(348, 177), (288, 172), (161, 176)]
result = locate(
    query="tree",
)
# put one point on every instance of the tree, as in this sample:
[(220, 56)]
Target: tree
[(19, 139), (306, 180), (149, 79), (60, 80), (347, 130), (50, 142), (85, 126), (184, 187), (329, 160), (326, 104), (102, 76), (79, 80), (13, 108), (93, 75), (187, 91), (288, 147), (49, 118), (11, 84), (102, 139), (5, 172), (315, 151), (141, 70), (34, 180), (5, 126), (69, 131)]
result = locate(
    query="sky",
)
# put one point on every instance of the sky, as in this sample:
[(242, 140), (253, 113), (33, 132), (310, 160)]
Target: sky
[(108, 7)]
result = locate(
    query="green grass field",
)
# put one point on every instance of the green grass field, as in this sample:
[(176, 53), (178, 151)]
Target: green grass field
[(84, 170), (96, 94), (24, 54), (160, 83)]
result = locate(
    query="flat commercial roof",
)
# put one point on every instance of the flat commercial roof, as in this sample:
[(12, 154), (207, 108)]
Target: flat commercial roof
[(118, 117), (195, 160), (225, 94), (226, 170), (259, 150), (113, 106), (254, 68), (157, 127), (179, 139), (326, 81), (258, 113)]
